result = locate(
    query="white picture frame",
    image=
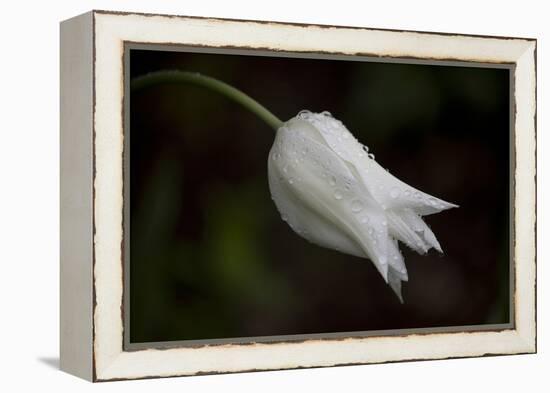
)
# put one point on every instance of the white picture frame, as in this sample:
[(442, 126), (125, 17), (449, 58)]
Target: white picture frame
[(92, 195)]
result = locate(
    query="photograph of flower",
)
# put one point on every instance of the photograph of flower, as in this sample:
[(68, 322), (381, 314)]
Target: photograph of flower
[(273, 196)]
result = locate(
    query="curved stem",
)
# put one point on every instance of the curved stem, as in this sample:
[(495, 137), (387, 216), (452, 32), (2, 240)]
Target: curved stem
[(163, 77)]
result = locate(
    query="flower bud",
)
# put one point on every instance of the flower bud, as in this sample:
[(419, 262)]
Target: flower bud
[(332, 192)]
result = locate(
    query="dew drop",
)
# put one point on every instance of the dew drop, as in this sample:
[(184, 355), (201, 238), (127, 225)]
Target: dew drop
[(332, 181), (418, 195), (364, 219), (284, 217), (384, 223), (338, 195), (383, 260), (395, 257), (407, 193), (356, 206), (371, 156), (285, 169), (394, 193), (291, 181), (370, 231)]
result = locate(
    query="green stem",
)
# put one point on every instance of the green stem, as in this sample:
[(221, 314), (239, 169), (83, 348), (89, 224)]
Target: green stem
[(163, 77)]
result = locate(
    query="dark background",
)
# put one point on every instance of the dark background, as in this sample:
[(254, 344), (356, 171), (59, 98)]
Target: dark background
[(210, 255)]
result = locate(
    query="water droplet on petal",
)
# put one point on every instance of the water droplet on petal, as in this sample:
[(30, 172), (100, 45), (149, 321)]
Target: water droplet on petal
[(338, 195), (383, 260), (407, 193), (384, 223), (284, 217), (291, 181), (364, 219), (356, 206), (394, 193), (332, 181)]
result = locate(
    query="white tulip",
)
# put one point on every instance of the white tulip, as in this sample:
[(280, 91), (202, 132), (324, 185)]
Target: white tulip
[(332, 192)]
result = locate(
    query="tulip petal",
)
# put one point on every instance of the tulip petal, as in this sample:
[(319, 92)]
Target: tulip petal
[(413, 220), (395, 284), (300, 217), (406, 233), (389, 191), (395, 194), (396, 261)]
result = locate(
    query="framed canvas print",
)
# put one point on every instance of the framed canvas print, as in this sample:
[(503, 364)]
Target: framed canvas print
[(244, 195)]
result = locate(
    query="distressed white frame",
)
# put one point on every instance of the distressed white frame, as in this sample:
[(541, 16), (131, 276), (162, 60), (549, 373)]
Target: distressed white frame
[(92, 113)]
